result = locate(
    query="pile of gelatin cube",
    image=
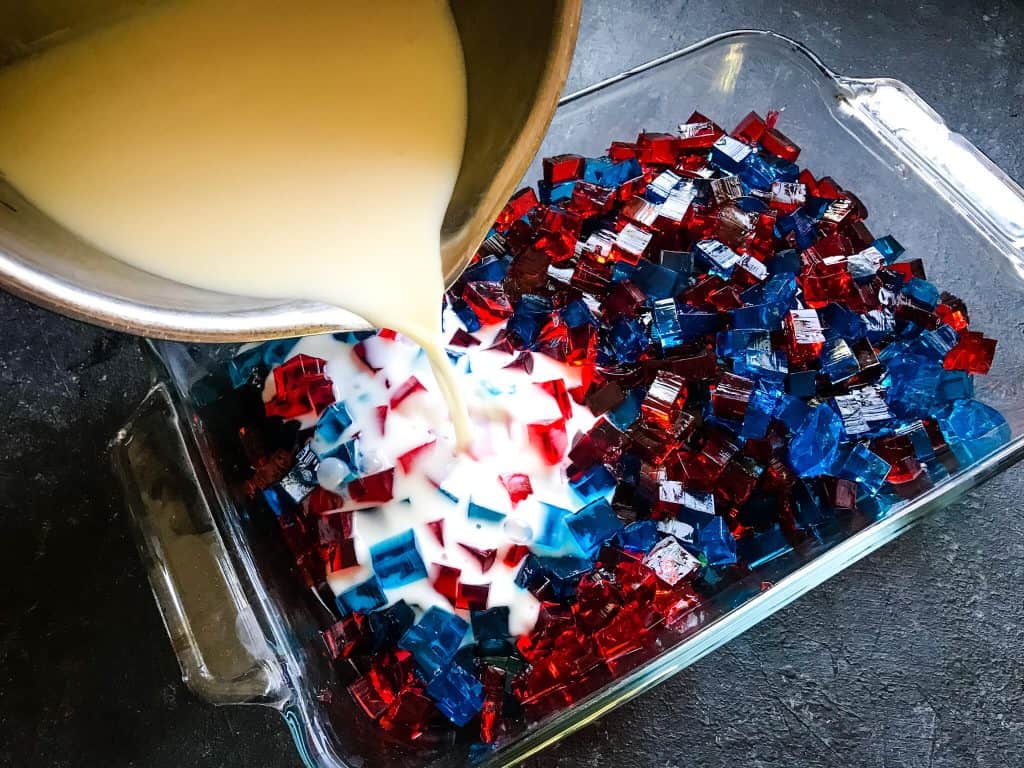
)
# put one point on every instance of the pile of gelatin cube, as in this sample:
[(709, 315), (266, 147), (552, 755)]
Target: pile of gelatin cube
[(683, 360)]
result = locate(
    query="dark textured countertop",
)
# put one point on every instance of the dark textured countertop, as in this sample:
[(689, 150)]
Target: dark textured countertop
[(910, 658)]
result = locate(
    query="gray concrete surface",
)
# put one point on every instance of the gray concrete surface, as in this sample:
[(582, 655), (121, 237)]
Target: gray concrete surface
[(910, 658)]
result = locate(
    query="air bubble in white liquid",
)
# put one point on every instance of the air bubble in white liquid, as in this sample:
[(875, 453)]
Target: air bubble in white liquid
[(331, 473), (517, 531)]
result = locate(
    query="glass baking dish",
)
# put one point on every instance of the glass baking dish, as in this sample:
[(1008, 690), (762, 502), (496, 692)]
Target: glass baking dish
[(230, 601)]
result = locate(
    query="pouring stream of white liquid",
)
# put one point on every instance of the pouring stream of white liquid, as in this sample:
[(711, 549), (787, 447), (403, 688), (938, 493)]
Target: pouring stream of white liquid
[(302, 150)]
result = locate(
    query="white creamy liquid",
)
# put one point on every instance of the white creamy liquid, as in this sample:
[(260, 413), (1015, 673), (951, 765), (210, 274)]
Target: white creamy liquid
[(302, 150)]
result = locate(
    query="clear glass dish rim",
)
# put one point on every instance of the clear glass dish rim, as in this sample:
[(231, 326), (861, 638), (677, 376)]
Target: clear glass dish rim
[(297, 708)]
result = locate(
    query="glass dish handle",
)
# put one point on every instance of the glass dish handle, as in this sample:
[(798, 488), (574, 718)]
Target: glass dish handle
[(952, 165), (222, 651)]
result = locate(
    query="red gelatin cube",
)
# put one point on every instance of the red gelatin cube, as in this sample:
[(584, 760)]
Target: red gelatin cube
[(521, 203), (750, 129), (550, 439), (463, 339), (485, 557), (472, 597), (562, 168), (658, 148), (408, 715), (518, 486), (590, 200), (408, 459), (323, 502), (409, 387), (489, 301), (973, 353), (663, 401), (556, 388), (341, 556), (623, 150), (776, 142), (515, 555), (375, 488), (368, 698), (437, 528), (446, 583), (729, 397), (296, 370)]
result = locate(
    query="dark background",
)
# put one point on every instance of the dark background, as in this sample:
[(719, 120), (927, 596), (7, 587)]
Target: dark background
[(911, 658)]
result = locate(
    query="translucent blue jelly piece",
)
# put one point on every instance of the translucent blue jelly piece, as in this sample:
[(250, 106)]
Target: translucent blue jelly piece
[(278, 351), (728, 153), (466, 315), (694, 324), (490, 624), (955, 385), (838, 361), (842, 322), (717, 543), (757, 173), (457, 694), (751, 204), (763, 547), (913, 384), (655, 280), (626, 339), (552, 194), (800, 226), (802, 383), (525, 327), (815, 444), (434, 640), (352, 337), (867, 468), (594, 483), (622, 271), (680, 262), (389, 624), (771, 366), (889, 247), (362, 598), (606, 172), (792, 412), (716, 256), (490, 269), (552, 527), (665, 323), (241, 366), (332, 423), (808, 512), (784, 169), (577, 313), (279, 503), (627, 412), (760, 409), (936, 343), (639, 536), (397, 560), (737, 342), (785, 262), (922, 292), (973, 429), (593, 525), (477, 511)]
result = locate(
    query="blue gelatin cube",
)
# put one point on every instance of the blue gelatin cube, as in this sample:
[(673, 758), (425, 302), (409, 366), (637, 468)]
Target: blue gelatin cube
[(693, 323), (665, 323), (938, 342), (457, 694), (525, 327), (626, 339), (490, 624), (622, 271), (838, 361), (771, 366), (362, 598), (606, 172), (278, 501), (476, 511), (717, 256), (729, 153), (792, 412), (655, 280), (867, 468), (922, 292), (780, 289), (241, 366), (680, 262), (760, 408), (627, 412), (737, 343), (757, 173), (973, 429), (889, 247), (552, 528), (434, 640), (594, 483), (842, 322), (762, 548), (913, 384), (564, 574), (639, 536), (815, 444), (593, 525), (397, 560), (955, 385), (332, 423), (389, 624), (490, 269), (552, 194), (808, 512), (802, 383), (577, 313), (717, 543), (785, 262), (466, 315)]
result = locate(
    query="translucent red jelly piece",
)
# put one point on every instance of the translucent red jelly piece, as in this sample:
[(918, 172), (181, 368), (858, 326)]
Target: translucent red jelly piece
[(549, 439), (776, 142), (408, 715), (521, 203), (750, 129), (515, 554), (973, 353), (446, 582), (461, 338), (409, 387), (560, 168), (408, 459), (301, 387), (518, 486), (489, 301), (436, 527), (729, 397), (665, 397), (375, 488), (485, 557), (556, 388), (472, 597), (322, 502)]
